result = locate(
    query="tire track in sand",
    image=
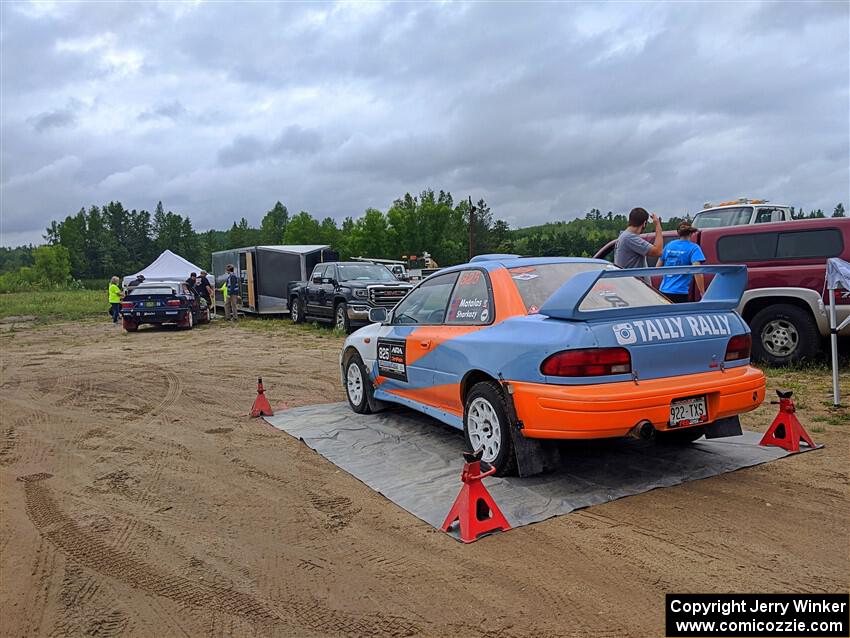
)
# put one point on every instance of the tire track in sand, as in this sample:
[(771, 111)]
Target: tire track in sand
[(89, 551)]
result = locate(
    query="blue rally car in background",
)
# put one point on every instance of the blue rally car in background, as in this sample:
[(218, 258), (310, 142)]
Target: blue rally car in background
[(516, 350), (161, 302)]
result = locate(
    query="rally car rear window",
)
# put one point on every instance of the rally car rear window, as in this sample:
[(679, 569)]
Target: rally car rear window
[(537, 283), (152, 290)]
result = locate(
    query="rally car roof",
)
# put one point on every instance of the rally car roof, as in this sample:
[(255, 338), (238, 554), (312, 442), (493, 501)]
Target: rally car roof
[(492, 262)]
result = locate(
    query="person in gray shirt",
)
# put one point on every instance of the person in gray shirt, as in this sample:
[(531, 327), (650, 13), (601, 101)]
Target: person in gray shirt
[(632, 249)]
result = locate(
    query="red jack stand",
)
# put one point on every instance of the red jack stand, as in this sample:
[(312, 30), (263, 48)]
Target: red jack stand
[(786, 431), (261, 405), (474, 509)]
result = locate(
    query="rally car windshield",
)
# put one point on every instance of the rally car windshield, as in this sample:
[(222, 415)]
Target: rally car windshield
[(364, 272), (537, 283)]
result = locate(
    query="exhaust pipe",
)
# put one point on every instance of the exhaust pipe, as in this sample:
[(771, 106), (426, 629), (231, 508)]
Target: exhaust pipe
[(644, 431)]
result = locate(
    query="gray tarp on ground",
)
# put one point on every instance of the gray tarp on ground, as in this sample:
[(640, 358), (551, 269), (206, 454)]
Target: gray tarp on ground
[(415, 461)]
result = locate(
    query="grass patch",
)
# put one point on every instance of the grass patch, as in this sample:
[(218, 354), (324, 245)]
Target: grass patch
[(54, 304)]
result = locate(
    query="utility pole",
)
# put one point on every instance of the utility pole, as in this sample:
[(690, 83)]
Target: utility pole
[(472, 210)]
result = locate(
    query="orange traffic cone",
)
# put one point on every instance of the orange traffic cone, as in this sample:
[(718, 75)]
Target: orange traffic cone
[(786, 431), (474, 509), (261, 405)]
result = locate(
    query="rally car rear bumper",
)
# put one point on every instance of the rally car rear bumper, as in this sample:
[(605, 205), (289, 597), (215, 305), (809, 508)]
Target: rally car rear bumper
[(159, 316), (612, 409)]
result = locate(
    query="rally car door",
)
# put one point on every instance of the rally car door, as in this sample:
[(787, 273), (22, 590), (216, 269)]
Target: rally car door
[(470, 309), (403, 351)]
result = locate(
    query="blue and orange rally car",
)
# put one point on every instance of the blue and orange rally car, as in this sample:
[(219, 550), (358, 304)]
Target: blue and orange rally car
[(513, 350)]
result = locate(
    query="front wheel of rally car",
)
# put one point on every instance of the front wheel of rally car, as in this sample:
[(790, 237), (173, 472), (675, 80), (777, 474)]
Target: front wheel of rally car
[(679, 437), (358, 386), (486, 426), (341, 317)]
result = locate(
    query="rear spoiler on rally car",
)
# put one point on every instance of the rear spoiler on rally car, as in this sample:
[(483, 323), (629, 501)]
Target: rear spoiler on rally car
[(723, 293)]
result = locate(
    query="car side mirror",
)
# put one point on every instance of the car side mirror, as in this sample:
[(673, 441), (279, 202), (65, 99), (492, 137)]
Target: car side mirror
[(377, 315)]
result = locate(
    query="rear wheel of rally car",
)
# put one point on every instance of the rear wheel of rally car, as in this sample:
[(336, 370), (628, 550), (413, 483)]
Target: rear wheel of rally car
[(189, 322), (296, 311), (129, 326), (679, 437), (487, 427), (358, 386)]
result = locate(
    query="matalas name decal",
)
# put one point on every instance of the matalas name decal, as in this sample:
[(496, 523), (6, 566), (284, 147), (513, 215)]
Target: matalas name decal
[(667, 328)]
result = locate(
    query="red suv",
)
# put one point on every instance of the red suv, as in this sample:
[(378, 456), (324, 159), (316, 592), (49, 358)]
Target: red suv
[(785, 303)]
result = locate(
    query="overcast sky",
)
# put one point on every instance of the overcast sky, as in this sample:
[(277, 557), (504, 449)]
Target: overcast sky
[(545, 110)]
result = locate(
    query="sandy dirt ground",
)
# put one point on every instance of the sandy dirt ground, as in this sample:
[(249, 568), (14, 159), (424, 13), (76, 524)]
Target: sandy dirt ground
[(139, 499)]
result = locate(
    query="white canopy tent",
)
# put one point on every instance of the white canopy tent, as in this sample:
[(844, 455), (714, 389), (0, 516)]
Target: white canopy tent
[(168, 266), (837, 276)]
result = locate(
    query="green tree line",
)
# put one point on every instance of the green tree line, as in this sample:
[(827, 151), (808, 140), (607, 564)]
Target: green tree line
[(99, 242)]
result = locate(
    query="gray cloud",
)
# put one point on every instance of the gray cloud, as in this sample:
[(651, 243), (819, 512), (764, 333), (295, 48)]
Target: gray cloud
[(169, 110), (544, 110)]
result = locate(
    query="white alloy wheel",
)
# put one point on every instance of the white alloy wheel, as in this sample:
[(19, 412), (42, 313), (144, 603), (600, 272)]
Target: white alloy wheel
[(191, 321), (354, 383), (340, 317), (484, 429), (293, 311)]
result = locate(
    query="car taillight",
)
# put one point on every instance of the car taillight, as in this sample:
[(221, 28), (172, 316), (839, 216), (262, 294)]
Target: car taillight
[(173, 302), (591, 362), (739, 347), (127, 304)]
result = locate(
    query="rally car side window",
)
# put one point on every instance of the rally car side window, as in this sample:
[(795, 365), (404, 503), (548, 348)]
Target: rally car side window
[(427, 303), (471, 302)]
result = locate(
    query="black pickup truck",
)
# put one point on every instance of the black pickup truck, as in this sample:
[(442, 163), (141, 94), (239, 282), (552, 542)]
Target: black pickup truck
[(344, 292)]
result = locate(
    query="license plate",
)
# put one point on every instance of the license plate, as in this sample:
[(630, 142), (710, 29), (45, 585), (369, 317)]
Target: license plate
[(688, 411), (150, 304)]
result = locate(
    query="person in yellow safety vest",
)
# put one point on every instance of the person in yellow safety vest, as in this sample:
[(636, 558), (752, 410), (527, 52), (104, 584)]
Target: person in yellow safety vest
[(115, 296), (224, 291)]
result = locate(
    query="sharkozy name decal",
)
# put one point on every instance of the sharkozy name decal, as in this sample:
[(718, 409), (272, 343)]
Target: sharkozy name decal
[(667, 328)]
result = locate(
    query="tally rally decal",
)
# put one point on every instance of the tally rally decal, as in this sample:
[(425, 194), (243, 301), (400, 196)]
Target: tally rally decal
[(392, 359), (666, 328)]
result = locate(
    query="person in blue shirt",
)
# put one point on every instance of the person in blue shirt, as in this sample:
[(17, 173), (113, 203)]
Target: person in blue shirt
[(681, 252)]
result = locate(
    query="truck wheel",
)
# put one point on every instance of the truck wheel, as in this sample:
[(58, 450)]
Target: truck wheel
[(486, 427), (679, 437), (784, 334), (358, 385), (129, 326), (296, 310), (341, 321)]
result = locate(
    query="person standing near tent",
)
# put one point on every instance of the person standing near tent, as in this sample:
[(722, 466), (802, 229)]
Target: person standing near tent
[(231, 302), (115, 296), (205, 289), (140, 279)]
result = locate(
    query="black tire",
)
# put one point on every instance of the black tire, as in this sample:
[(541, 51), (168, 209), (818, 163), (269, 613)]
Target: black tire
[(296, 310), (784, 334), (189, 322), (679, 437), (341, 321), (490, 393), (352, 366), (129, 326)]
